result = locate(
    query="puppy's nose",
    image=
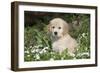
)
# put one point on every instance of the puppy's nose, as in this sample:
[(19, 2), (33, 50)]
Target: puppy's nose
[(55, 33)]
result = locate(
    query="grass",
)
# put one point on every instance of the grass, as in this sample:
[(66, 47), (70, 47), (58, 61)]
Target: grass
[(37, 44)]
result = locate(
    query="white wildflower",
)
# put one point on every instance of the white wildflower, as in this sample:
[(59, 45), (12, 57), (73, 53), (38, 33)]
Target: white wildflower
[(28, 55), (82, 54), (35, 47), (37, 56), (51, 52), (30, 46), (27, 51), (74, 58), (51, 59), (83, 34), (86, 48), (37, 50), (80, 37), (41, 52), (62, 58), (86, 53), (46, 48), (33, 51), (77, 49)]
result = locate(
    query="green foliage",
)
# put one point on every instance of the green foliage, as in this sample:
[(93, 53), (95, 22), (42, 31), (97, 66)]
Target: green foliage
[(38, 44)]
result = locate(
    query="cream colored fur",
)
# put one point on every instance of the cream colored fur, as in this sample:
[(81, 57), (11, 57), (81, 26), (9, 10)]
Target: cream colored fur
[(62, 40)]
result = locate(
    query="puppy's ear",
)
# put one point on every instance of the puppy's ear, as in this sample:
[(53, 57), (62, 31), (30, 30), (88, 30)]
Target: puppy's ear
[(65, 28)]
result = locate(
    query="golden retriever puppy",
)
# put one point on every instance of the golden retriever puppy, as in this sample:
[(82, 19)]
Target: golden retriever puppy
[(61, 40)]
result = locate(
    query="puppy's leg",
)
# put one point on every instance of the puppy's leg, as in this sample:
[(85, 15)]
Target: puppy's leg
[(71, 52)]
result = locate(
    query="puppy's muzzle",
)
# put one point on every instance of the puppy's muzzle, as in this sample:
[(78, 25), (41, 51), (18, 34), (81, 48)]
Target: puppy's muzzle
[(55, 33)]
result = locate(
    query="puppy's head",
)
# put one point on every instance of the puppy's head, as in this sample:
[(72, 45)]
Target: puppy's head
[(58, 27)]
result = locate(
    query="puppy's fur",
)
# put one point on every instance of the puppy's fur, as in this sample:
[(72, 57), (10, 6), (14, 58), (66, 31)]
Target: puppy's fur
[(61, 40)]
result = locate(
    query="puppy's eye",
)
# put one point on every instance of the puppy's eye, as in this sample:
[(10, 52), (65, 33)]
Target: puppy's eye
[(59, 27), (53, 27)]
